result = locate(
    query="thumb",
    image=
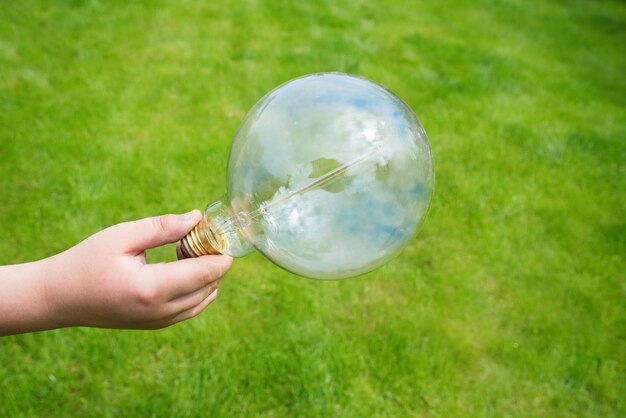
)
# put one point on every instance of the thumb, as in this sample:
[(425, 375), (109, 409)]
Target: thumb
[(152, 232)]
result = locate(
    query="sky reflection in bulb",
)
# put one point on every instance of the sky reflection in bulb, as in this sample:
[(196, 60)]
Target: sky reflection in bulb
[(334, 173)]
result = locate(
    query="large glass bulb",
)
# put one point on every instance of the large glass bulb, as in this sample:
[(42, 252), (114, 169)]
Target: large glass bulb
[(329, 176)]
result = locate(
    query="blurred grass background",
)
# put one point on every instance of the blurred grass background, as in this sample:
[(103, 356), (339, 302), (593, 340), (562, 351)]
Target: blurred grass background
[(509, 303)]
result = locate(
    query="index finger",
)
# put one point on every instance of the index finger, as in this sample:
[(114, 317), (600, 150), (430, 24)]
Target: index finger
[(178, 278)]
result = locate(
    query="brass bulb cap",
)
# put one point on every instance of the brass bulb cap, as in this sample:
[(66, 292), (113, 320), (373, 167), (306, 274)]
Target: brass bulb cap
[(196, 244)]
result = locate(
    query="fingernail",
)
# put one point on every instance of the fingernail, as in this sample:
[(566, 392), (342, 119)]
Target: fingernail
[(190, 216), (213, 295)]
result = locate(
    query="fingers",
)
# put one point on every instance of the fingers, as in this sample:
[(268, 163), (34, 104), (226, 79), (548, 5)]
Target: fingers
[(179, 278), (152, 232), (182, 311), (192, 299), (190, 313)]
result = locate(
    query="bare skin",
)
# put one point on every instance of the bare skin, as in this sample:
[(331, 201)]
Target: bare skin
[(105, 282)]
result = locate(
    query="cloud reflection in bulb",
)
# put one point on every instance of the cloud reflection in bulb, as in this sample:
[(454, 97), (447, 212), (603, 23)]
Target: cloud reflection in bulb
[(329, 176)]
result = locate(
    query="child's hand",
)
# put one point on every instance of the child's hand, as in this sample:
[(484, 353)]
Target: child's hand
[(105, 282)]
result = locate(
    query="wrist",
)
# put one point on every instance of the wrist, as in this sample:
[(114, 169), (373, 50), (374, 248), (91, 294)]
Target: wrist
[(54, 285)]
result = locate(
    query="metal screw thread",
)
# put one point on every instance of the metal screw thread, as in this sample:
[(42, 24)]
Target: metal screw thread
[(196, 242)]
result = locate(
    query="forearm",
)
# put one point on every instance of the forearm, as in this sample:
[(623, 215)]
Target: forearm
[(23, 303)]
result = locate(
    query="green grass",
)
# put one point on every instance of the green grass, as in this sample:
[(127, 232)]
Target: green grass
[(511, 302)]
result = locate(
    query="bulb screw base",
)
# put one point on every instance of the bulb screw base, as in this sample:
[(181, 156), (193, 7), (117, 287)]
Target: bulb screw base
[(196, 243)]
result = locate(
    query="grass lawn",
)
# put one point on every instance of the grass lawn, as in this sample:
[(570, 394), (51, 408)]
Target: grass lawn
[(510, 303)]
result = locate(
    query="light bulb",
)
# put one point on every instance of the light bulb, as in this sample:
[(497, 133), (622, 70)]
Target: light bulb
[(329, 176)]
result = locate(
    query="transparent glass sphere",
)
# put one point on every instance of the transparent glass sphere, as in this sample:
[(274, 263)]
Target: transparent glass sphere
[(329, 176)]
